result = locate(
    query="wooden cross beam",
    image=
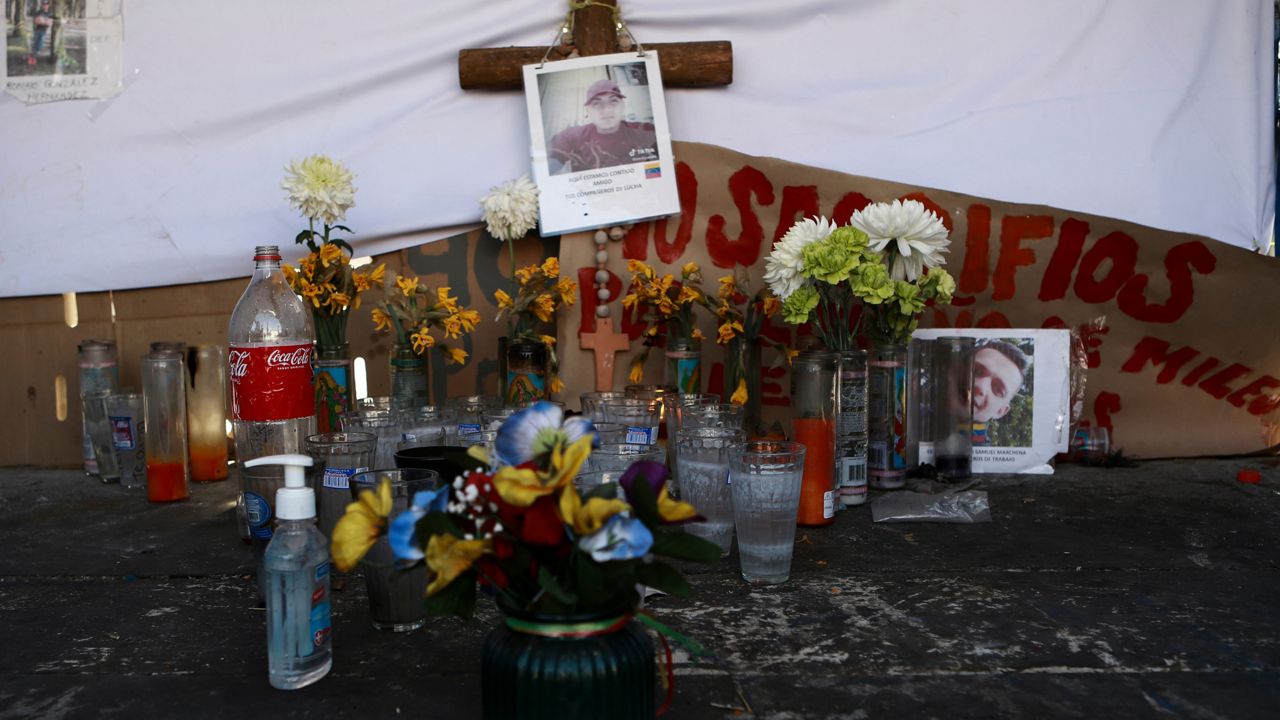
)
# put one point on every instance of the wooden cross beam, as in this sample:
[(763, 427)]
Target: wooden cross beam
[(604, 343), (693, 64)]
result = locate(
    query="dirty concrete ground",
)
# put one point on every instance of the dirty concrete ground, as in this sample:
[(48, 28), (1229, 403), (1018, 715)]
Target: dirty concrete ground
[(1140, 592)]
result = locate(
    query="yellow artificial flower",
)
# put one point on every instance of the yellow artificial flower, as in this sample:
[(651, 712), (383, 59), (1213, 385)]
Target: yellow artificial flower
[(444, 301), (448, 557), (408, 285), (504, 300), (360, 526), (689, 269), (636, 375), (739, 396), (329, 253), (523, 486), (422, 340), (311, 292), (688, 294), (568, 290), (456, 355), (697, 334), (556, 385), (727, 331), (544, 307), (728, 286), (673, 510), (551, 267), (586, 518), (381, 320), (469, 319), (772, 306)]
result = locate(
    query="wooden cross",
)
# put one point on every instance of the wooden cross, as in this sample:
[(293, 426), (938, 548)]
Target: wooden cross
[(693, 64), (604, 343)]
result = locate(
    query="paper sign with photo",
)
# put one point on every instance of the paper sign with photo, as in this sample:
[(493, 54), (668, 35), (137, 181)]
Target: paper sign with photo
[(1021, 398), (601, 145)]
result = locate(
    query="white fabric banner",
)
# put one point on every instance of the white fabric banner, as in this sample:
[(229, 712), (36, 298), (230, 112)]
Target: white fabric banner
[(1153, 111)]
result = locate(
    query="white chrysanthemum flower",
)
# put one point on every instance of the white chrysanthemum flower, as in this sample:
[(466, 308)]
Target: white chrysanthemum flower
[(320, 187), (511, 210), (782, 267), (919, 238)]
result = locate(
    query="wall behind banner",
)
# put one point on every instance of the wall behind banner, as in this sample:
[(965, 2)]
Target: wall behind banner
[(1180, 363)]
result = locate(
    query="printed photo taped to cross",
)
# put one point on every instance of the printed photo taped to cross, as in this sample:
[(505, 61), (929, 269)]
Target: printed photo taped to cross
[(601, 144)]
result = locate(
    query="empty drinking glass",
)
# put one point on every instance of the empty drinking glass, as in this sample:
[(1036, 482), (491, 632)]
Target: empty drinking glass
[(640, 417), (619, 456), (610, 432), (381, 423), (713, 415), (765, 484), (336, 458), (98, 425), (593, 402), (124, 412), (702, 458)]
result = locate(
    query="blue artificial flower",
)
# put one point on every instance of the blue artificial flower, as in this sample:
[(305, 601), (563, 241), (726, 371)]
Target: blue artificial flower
[(621, 538), (401, 533), (536, 430)]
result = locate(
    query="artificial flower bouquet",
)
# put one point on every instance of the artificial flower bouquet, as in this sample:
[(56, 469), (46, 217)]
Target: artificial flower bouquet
[(538, 295), (523, 532), (888, 258), (411, 311), (321, 188), (669, 305)]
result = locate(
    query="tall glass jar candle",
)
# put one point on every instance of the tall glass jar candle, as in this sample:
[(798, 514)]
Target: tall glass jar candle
[(813, 424), (164, 400), (207, 412)]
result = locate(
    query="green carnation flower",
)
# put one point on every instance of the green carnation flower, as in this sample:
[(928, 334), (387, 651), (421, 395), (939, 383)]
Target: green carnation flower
[(829, 261), (871, 283), (910, 299), (938, 285), (798, 305)]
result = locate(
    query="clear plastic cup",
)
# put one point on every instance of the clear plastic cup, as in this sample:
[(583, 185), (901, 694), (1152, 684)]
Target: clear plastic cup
[(702, 457), (765, 487)]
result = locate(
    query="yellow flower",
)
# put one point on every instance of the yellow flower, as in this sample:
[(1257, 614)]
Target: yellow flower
[(381, 320), (378, 272), (629, 300), (791, 355), (739, 396), (772, 306), (568, 290), (523, 486), (469, 319), (666, 308), (697, 334), (689, 269), (586, 518), (557, 385), (651, 331), (290, 276), (551, 267), (673, 510), (504, 300), (727, 331), (456, 355), (688, 294), (329, 253), (544, 306), (727, 287), (452, 326), (448, 557), (308, 265), (360, 526), (422, 340), (408, 285), (338, 301), (547, 340), (444, 301), (638, 268), (636, 376), (524, 273), (361, 281), (311, 292)]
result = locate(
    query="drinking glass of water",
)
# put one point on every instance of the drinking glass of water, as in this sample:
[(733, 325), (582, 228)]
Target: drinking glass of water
[(702, 461), (765, 483)]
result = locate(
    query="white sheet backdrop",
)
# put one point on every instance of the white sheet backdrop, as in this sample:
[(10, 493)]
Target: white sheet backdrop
[(1155, 111)]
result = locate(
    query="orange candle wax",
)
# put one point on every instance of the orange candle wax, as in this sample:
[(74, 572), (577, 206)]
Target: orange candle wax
[(166, 481), (817, 485)]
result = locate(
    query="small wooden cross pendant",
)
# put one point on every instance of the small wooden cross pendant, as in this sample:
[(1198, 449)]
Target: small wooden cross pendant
[(604, 344)]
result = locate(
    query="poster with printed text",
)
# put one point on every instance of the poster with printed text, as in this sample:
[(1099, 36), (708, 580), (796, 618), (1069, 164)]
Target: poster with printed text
[(63, 49)]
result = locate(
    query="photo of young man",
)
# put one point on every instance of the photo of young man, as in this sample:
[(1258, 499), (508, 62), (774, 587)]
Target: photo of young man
[(1000, 372)]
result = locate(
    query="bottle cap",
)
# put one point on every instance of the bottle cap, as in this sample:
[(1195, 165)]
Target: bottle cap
[(1249, 476), (294, 501)]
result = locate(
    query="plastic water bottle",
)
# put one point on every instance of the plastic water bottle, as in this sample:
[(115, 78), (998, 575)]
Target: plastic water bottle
[(273, 405), (296, 566)]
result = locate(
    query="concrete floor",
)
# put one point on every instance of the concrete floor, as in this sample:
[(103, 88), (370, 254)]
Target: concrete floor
[(1145, 592)]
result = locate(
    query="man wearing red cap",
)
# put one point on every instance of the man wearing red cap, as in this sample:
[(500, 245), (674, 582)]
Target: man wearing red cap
[(606, 140)]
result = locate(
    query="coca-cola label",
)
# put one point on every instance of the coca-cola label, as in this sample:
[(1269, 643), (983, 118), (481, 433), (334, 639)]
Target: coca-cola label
[(270, 383)]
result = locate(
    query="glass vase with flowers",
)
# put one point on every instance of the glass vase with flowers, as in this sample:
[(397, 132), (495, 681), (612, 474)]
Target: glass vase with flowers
[(668, 314), (411, 311), (740, 316)]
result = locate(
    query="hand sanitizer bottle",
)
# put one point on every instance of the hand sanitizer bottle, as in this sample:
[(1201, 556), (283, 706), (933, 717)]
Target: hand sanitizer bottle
[(296, 567)]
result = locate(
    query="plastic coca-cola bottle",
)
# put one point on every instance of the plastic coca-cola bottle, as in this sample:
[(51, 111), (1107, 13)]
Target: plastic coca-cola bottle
[(272, 402)]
